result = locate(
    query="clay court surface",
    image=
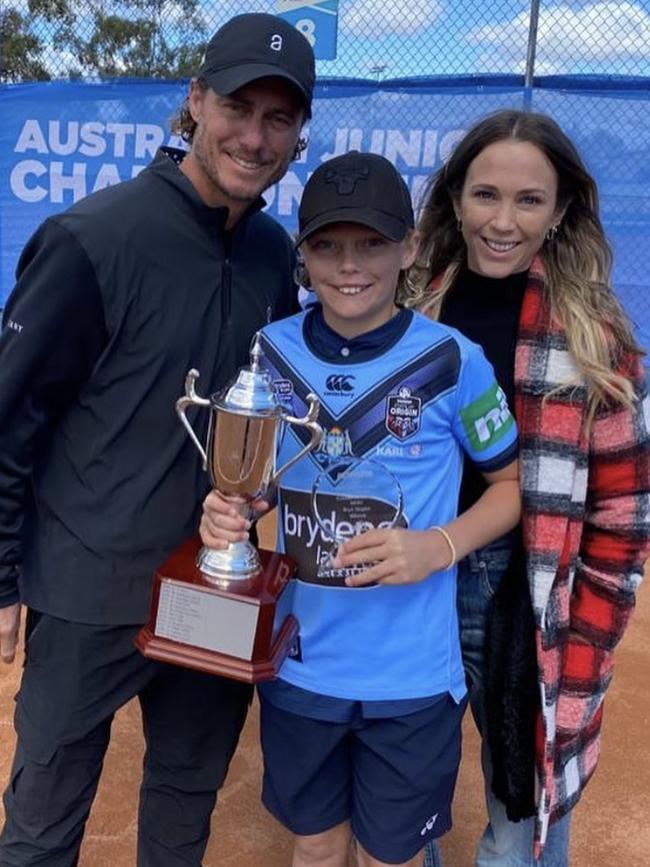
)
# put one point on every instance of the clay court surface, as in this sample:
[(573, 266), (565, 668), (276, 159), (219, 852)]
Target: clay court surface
[(611, 825)]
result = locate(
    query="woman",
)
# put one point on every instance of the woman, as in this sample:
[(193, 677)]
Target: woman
[(513, 254)]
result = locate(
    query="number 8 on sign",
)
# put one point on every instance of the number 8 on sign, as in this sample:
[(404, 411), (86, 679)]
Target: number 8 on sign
[(307, 26), (316, 20)]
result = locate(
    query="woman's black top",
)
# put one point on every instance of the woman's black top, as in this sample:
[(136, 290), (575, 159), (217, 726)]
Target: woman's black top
[(486, 310)]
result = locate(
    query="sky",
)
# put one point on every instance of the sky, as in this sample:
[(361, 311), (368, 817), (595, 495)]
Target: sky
[(381, 39), (452, 37)]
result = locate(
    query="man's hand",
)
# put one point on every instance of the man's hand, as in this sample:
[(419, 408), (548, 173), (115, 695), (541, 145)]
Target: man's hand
[(9, 623)]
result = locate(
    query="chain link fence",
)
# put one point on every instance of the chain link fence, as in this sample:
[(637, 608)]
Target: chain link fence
[(377, 39), (552, 45)]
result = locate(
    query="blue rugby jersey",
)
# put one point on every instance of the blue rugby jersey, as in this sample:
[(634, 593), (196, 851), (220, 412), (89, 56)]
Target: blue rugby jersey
[(415, 408)]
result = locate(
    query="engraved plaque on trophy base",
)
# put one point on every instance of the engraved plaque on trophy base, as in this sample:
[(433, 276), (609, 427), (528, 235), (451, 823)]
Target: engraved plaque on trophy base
[(229, 632)]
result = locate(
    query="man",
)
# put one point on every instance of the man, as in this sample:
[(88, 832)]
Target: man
[(115, 300)]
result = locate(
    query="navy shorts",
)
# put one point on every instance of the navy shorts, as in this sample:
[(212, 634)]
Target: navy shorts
[(393, 779)]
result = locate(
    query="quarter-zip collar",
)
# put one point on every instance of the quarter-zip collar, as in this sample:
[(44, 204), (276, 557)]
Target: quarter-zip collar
[(166, 165)]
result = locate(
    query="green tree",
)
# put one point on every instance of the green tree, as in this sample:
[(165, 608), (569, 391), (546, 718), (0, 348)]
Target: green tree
[(20, 49), (153, 38), (119, 38)]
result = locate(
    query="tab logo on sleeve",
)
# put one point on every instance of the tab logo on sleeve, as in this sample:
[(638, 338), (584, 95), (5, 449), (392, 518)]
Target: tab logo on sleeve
[(487, 419)]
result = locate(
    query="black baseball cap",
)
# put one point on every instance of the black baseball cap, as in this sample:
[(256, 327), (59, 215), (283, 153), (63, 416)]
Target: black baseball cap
[(256, 45), (356, 188)]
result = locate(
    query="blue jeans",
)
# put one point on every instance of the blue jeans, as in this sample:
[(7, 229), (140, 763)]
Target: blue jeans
[(504, 843)]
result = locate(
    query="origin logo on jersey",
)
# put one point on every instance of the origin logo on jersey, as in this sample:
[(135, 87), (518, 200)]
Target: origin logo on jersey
[(403, 413)]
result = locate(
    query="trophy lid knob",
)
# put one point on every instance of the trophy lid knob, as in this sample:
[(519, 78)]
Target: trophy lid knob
[(252, 391), (257, 353)]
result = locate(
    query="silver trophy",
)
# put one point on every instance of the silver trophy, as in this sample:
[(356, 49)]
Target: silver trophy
[(246, 420)]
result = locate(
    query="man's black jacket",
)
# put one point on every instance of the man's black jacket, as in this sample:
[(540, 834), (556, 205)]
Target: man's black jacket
[(116, 299)]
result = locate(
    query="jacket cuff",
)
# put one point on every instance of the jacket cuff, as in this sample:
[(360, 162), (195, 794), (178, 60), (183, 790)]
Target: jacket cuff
[(9, 594)]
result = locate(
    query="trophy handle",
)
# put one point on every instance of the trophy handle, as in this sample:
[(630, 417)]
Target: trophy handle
[(191, 398), (308, 421)]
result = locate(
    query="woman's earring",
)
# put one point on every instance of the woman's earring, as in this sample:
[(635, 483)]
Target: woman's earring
[(459, 224), (552, 232)]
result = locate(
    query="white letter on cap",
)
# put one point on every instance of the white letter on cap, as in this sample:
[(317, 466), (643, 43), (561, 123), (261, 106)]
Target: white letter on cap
[(276, 42)]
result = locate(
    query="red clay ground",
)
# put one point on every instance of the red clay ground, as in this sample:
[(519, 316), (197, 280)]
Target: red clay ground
[(611, 825)]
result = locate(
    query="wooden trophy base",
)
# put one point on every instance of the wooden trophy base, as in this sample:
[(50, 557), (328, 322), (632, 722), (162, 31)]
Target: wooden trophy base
[(226, 632)]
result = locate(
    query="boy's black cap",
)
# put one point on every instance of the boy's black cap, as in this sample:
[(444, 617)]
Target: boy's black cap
[(356, 188), (256, 45)]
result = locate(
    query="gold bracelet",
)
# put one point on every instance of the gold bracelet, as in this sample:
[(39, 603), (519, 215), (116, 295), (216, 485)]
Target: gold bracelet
[(452, 547)]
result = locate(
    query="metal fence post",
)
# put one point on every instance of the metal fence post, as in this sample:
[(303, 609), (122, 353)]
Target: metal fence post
[(530, 53)]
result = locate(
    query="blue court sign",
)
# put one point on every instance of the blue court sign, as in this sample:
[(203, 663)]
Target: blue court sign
[(317, 21)]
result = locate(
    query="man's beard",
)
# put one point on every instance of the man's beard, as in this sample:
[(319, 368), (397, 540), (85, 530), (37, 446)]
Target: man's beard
[(237, 191)]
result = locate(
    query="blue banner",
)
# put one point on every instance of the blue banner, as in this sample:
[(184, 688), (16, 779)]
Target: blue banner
[(61, 141)]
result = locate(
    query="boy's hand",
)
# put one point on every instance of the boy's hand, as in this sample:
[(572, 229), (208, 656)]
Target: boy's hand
[(222, 524), (399, 556)]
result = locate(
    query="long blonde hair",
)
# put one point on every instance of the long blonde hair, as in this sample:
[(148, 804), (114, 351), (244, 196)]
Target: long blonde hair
[(577, 260)]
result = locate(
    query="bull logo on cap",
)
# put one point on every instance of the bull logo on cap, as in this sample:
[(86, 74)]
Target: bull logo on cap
[(346, 179)]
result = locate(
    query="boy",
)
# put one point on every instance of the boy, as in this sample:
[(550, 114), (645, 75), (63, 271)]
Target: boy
[(361, 731)]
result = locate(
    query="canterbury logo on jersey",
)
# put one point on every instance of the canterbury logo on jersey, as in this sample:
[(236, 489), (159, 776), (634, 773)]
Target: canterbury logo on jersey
[(340, 383)]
